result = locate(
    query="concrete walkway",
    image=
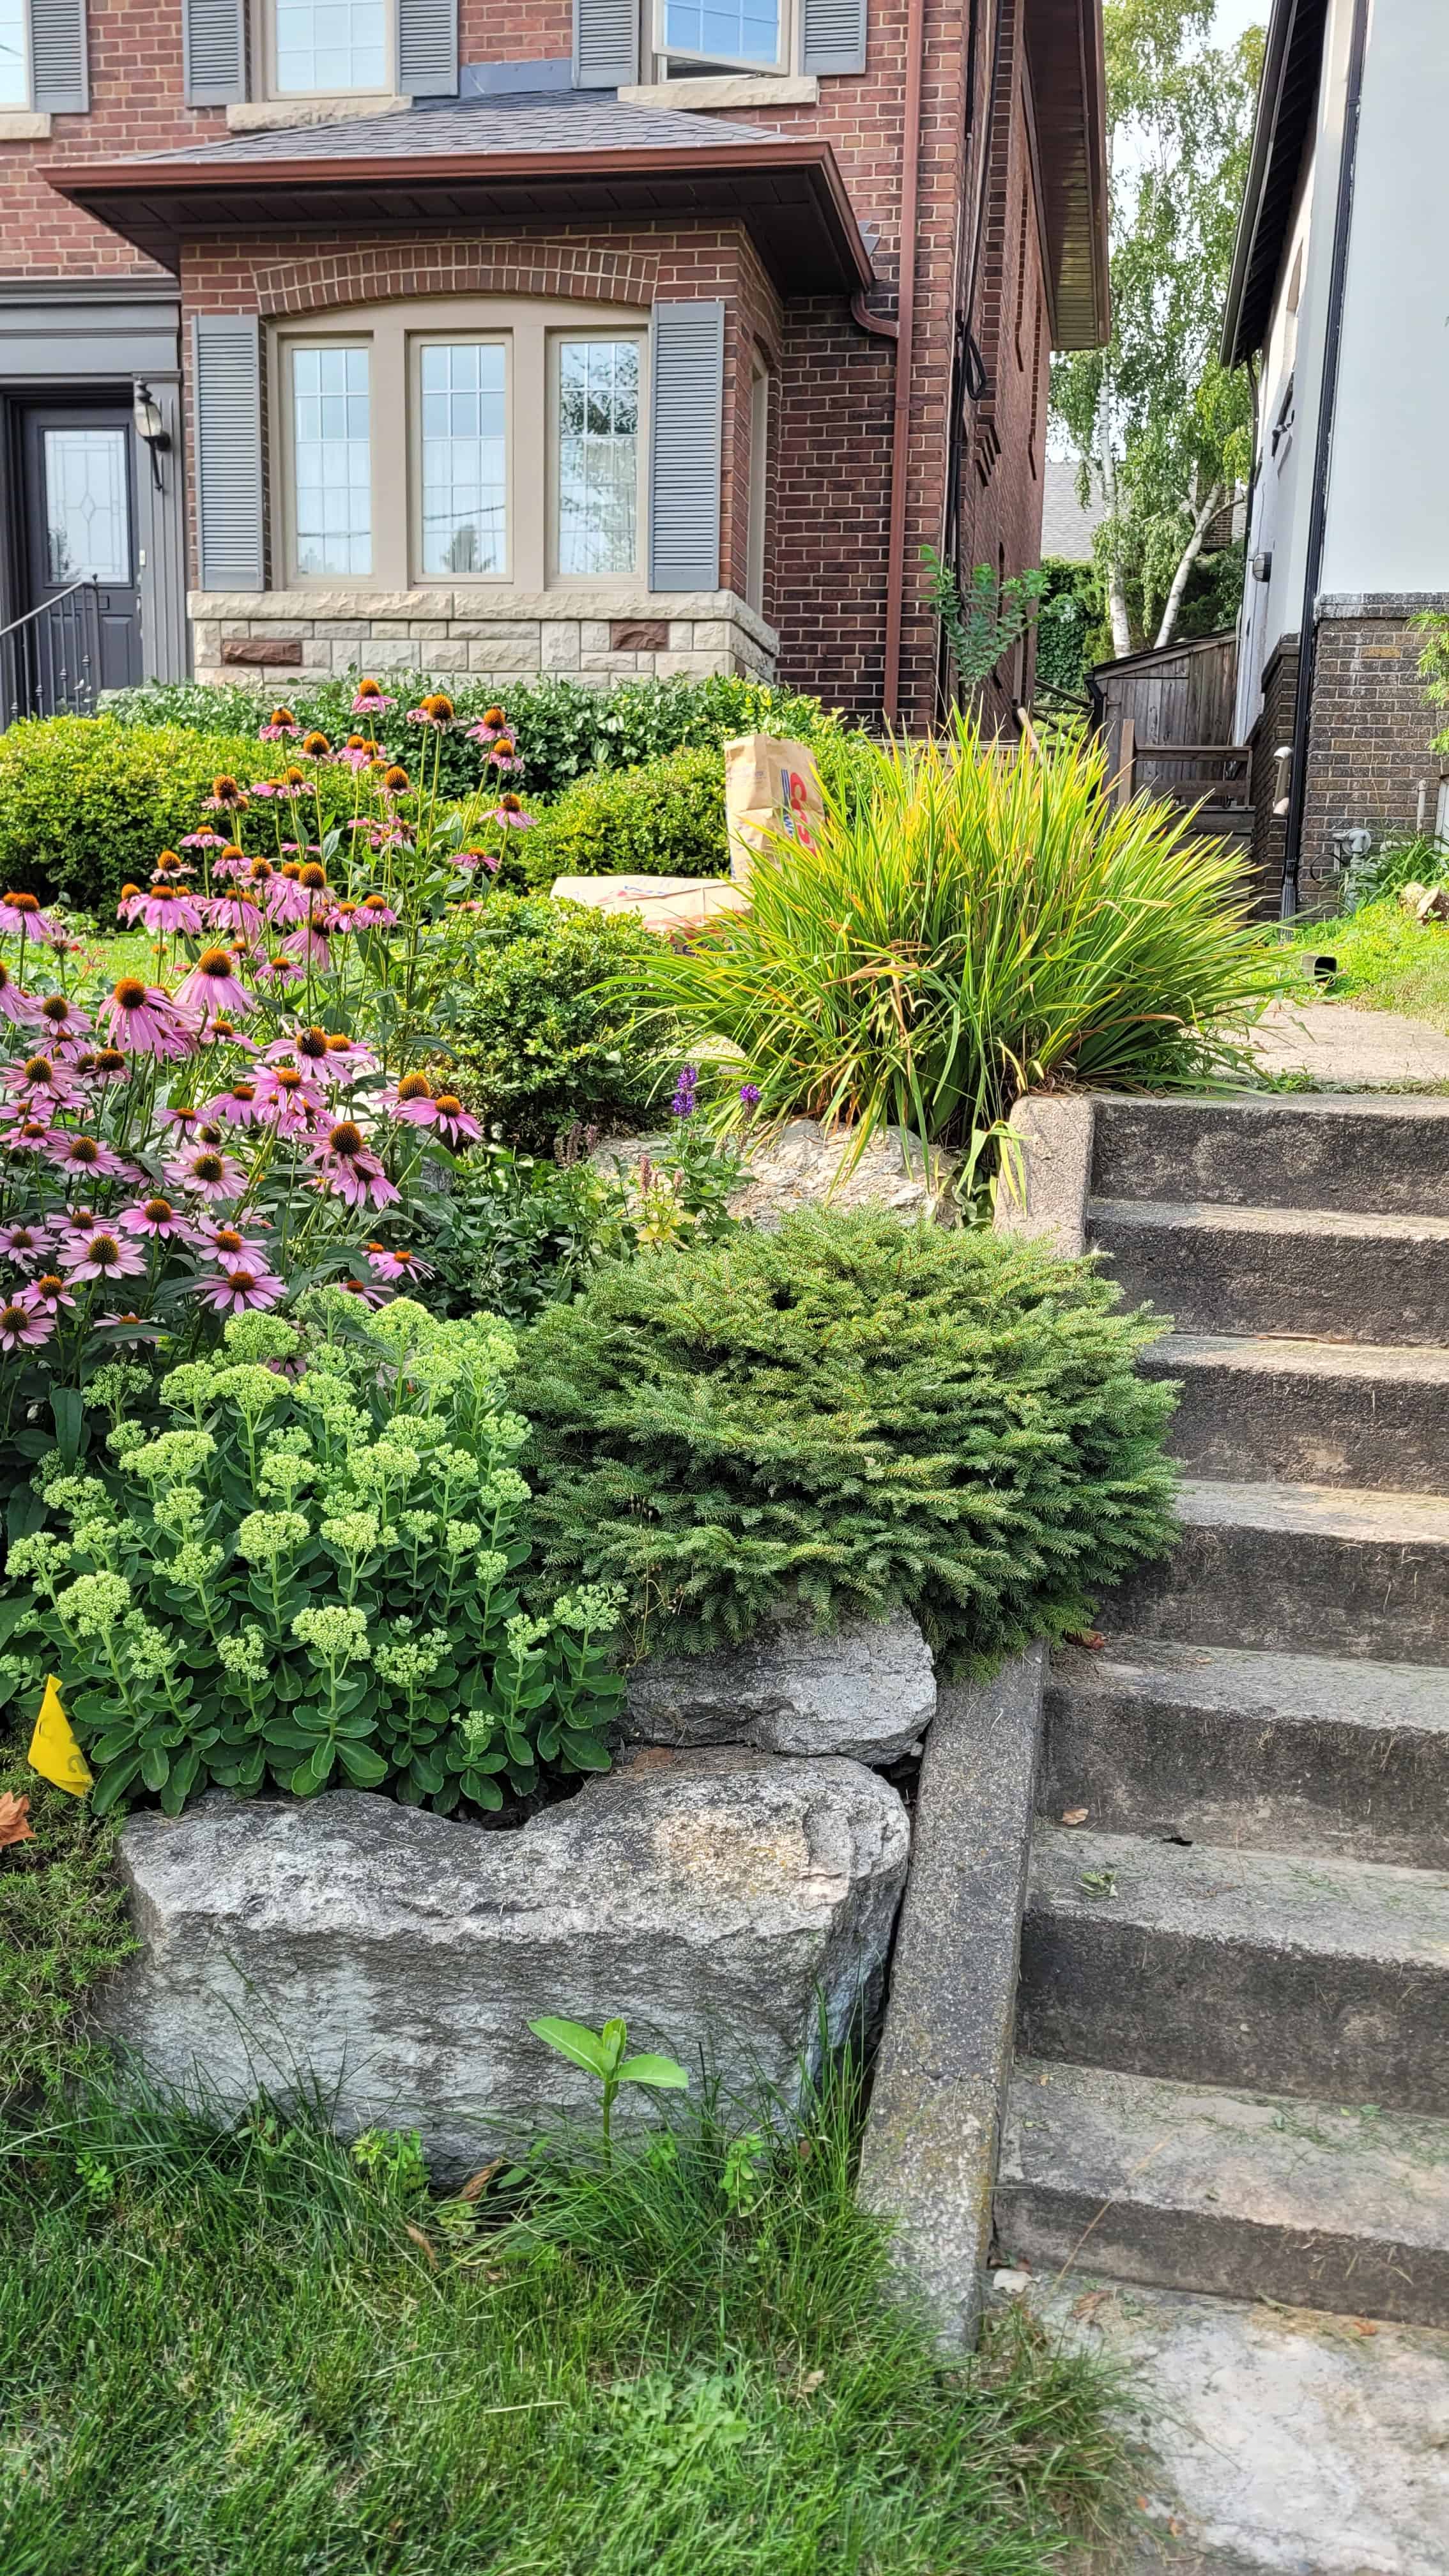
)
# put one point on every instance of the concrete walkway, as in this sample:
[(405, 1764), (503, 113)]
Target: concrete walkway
[(1349, 1050)]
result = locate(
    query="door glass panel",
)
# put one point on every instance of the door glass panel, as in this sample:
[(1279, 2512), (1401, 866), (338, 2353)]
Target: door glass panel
[(464, 392), (333, 455), (329, 45), (87, 512), (14, 55), (598, 455)]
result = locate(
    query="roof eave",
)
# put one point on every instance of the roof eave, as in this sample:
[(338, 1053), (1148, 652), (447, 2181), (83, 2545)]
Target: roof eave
[(160, 203), (1290, 25), (1069, 86)]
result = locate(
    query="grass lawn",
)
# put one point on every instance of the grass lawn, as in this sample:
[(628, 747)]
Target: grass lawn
[(1387, 961), (250, 2354)]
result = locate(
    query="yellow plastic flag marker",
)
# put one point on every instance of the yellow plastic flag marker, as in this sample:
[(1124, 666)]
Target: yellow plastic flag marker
[(54, 1752)]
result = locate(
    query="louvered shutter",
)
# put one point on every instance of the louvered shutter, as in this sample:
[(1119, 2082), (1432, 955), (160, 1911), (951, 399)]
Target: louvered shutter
[(427, 48), (59, 74), (227, 388), (833, 36), (214, 51), (606, 43), (686, 408)]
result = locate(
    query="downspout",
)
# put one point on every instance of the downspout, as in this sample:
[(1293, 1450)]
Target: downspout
[(905, 354), (1322, 461)]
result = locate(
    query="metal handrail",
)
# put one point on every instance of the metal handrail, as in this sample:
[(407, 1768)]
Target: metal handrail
[(87, 581)]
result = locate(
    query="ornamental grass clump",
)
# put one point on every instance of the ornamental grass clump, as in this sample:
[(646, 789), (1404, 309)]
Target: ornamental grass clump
[(854, 1416), (311, 1577), (968, 923)]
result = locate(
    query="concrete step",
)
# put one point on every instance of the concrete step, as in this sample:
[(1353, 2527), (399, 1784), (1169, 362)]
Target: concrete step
[(1301, 1569), (1303, 1412), (1287, 1753), (1349, 1152), (1340, 1276), (1248, 2195), (1321, 1978)]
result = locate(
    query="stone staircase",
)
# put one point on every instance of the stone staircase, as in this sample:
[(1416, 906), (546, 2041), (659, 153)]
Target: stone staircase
[(1232, 2069)]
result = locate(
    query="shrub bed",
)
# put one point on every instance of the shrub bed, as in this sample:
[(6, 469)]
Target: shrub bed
[(851, 1414), (665, 818), (539, 1024)]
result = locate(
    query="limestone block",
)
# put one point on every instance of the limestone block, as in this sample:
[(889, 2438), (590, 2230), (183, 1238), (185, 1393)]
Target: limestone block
[(867, 1689), (561, 647)]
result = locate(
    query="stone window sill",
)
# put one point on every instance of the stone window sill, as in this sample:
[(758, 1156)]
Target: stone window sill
[(727, 89), (264, 115), (23, 125)]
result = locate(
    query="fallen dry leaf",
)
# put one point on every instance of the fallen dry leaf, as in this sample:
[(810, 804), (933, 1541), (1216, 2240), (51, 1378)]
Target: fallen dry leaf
[(15, 1824), (1091, 1638), (812, 2380), (1361, 2325), (1075, 1815), (477, 2184), (419, 2238)]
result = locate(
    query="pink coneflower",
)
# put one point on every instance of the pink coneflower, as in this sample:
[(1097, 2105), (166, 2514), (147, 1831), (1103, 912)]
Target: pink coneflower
[(280, 726), (106, 1065), (30, 1137), (357, 751), (345, 1166), (14, 1004), (166, 909), (224, 1032), (182, 1115), (304, 1046), (205, 841), (228, 1245), (24, 1327), (412, 1099), (237, 1289), (61, 1025), (21, 917), (340, 920), (169, 863), (282, 970), (509, 812), (46, 1295), (364, 1290), (490, 725), (370, 701), (101, 1253), (208, 1173), (287, 1099), (226, 796), (143, 1020), (453, 1122), (236, 912), (468, 862), (395, 780), (86, 1155), (375, 913), (38, 1082), (239, 1107), (24, 1245), (212, 986), (308, 943), (435, 710), (504, 755), (158, 1218), (401, 1264)]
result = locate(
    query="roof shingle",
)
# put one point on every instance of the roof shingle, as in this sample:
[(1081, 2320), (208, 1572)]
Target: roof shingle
[(528, 121)]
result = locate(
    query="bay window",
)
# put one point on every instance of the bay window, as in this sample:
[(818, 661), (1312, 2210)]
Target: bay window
[(499, 445)]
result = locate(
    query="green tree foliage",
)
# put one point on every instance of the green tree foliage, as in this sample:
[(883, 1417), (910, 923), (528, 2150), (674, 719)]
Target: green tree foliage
[(852, 1414), (1160, 426)]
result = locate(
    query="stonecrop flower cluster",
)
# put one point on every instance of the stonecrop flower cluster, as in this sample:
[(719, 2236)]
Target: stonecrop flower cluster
[(311, 1574), (267, 1102)]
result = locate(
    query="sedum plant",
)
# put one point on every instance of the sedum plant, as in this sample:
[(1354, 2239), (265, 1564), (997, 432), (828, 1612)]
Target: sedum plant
[(310, 1577)]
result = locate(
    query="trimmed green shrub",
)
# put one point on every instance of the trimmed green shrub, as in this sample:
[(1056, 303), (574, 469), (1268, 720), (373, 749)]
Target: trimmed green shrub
[(563, 728), (537, 1042), (86, 803), (855, 1415), (665, 819)]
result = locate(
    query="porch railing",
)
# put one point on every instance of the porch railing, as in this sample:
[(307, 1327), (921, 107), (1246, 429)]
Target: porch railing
[(50, 659)]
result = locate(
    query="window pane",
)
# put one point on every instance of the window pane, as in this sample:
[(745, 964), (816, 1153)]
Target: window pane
[(87, 513), (14, 65), (464, 397), (727, 30), (598, 456), (332, 460), (331, 45)]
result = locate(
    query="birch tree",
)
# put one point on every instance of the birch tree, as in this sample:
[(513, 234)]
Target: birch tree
[(1162, 432)]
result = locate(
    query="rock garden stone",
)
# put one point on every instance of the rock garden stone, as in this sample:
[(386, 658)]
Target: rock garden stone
[(801, 1165), (867, 1690), (392, 1959)]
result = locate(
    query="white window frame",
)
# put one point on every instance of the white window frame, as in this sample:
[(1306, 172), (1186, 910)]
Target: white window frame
[(531, 329), (699, 63), (272, 89), (762, 409)]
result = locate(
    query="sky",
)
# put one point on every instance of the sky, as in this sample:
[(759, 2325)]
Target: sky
[(1234, 15)]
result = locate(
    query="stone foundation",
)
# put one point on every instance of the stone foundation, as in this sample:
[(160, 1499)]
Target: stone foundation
[(597, 637)]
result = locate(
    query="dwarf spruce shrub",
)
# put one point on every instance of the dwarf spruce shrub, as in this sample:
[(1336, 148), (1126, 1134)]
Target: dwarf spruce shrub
[(854, 1414)]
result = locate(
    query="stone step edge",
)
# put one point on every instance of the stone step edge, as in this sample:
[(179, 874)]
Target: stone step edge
[(1217, 1216), (1255, 1687), (1302, 1356)]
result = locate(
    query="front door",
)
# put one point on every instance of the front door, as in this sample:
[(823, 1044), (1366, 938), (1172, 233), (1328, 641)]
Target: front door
[(80, 526)]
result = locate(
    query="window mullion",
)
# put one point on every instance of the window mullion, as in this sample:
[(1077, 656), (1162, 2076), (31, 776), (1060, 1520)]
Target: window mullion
[(531, 435), (393, 466)]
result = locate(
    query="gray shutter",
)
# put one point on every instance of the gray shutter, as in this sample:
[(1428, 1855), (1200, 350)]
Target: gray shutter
[(686, 399), (427, 48), (214, 51), (833, 36), (59, 73), (606, 43), (227, 388)]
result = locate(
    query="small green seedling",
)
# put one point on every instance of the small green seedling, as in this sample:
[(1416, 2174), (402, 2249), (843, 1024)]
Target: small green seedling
[(601, 2053)]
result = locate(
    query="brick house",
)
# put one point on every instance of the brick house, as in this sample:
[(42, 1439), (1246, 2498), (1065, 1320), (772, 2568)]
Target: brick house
[(570, 335), (1337, 300)]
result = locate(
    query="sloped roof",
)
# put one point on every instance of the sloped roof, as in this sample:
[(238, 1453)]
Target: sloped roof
[(1287, 99), (526, 121)]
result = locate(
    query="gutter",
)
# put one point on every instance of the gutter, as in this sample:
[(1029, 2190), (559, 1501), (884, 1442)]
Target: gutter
[(905, 354), (1322, 462)]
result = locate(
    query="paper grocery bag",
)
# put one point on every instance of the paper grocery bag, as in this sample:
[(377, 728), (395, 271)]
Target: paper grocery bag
[(772, 792)]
